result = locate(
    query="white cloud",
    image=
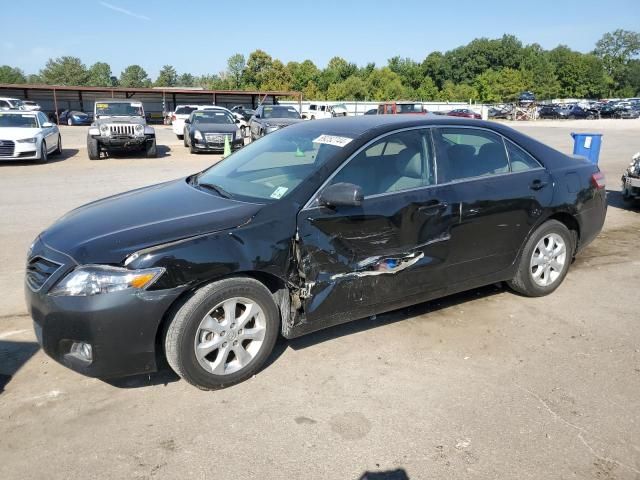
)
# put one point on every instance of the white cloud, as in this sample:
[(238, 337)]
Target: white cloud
[(124, 11)]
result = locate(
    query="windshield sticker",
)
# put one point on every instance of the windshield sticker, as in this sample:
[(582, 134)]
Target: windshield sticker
[(333, 140), (279, 192), (102, 105)]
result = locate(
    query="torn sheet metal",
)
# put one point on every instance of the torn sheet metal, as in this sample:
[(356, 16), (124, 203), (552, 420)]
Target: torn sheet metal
[(381, 265)]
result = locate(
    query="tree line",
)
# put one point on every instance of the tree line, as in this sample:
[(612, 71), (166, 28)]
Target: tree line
[(484, 70)]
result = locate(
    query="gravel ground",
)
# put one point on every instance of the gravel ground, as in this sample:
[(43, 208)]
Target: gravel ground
[(485, 384)]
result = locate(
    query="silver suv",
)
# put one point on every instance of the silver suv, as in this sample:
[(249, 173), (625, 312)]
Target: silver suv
[(120, 125)]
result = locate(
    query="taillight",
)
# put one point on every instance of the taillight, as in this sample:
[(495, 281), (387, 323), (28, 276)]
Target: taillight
[(173, 118), (598, 180)]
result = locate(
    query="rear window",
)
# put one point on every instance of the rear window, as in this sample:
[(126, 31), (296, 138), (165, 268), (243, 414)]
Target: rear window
[(185, 110), (409, 108)]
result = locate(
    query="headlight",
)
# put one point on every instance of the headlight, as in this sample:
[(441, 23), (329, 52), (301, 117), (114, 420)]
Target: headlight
[(139, 129), (238, 134), (27, 140), (104, 129), (96, 279), (197, 135)]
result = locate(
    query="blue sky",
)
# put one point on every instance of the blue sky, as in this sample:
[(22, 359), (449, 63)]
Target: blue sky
[(197, 36)]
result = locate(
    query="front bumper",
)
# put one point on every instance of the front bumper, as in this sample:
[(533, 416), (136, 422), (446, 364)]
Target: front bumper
[(22, 151), (121, 327), (122, 142), (206, 146), (631, 186)]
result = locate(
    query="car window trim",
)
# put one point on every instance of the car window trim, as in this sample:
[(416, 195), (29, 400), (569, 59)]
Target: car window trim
[(313, 198)]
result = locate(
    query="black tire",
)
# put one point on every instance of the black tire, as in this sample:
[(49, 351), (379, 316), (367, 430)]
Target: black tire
[(58, 149), (93, 149), (44, 157), (69, 122), (151, 149), (184, 140), (523, 281), (180, 334), (192, 149), (180, 137), (313, 117)]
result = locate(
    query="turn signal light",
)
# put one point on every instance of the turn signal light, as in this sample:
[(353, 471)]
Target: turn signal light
[(598, 181)]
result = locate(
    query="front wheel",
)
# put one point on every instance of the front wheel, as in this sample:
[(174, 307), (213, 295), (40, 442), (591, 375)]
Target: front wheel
[(70, 122), (93, 149), (180, 137), (44, 157), (151, 150), (223, 334), (545, 260)]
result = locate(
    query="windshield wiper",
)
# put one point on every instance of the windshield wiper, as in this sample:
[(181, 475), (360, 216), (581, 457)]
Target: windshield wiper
[(216, 188)]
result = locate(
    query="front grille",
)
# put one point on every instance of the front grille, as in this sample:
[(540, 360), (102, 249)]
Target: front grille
[(6, 148), (121, 130), (217, 137), (39, 270)]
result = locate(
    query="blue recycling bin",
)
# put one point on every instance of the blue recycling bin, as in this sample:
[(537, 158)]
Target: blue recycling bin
[(587, 145)]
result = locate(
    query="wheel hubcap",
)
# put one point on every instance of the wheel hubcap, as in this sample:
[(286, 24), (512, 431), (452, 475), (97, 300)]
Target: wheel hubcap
[(548, 259), (230, 336)]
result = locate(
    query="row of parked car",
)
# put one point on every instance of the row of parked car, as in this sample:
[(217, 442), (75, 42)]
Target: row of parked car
[(629, 108)]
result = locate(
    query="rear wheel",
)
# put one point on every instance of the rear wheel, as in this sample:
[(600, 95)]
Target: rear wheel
[(545, 260), (180, 137), (93, 149), (70, 122), (223, 334)]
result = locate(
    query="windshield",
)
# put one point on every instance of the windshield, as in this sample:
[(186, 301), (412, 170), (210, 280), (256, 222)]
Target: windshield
[(184, 110), (409, 108), (112, 109), (209, 116), (12, 120), (271, 168), (280, 112)]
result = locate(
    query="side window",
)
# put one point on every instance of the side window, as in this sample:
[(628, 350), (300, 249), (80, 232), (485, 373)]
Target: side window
[(520, 160), (469, 152), (4, 104), (42, 118), (390, 109), (400, 161), (380, 109), (312, 107)]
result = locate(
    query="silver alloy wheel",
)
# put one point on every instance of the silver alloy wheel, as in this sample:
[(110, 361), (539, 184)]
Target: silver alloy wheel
[(548, 259), (230, 336)]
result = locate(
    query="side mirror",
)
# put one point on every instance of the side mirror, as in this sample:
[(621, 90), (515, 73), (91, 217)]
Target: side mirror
[(237, 120), (341, 195), (47, 125), (186, 120), (257, 115)]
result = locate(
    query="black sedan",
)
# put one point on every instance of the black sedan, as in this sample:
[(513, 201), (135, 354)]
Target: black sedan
[(74, 117), (318, 224), (269, 118), (209, 129)]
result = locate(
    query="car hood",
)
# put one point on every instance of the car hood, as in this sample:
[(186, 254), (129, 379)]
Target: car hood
[(216, 127), (108, 230), (18, 133)]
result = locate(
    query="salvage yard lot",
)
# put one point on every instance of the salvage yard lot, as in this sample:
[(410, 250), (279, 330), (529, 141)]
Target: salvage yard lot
[(485, 384)]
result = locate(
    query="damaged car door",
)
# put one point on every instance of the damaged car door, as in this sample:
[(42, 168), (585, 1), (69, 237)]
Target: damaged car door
[(387, 246)]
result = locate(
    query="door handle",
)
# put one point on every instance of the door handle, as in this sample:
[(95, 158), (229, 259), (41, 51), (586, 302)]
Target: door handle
[(538, 184)]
